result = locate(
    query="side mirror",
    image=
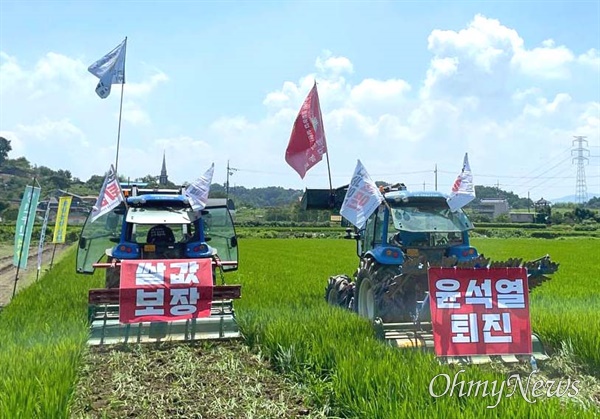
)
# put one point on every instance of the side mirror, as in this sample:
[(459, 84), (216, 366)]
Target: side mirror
[(82, 242), (233, 241), (348, 234)]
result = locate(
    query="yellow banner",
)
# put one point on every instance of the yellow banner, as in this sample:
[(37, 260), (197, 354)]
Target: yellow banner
[(62, 218)]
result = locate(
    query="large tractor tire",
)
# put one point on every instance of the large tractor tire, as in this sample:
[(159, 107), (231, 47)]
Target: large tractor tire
[(339, 291), (383, 292)]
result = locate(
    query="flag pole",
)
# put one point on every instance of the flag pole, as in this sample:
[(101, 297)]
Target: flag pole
[(326, 154), (329, 171), (121, 110), (23, 243), (52, 259), (119, 131)]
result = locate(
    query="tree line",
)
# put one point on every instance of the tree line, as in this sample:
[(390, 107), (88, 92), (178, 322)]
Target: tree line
[(280, 204)]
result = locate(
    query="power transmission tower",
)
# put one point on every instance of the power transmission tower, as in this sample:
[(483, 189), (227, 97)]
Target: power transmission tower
[(580, 154), (230, 171)]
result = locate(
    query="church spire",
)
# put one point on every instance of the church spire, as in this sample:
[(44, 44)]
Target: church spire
[(163, 179)]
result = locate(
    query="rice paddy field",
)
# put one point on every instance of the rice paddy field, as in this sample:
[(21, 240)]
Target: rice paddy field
[(329, 356)]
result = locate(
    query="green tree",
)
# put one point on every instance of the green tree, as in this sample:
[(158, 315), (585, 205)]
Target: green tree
[(5, 147)]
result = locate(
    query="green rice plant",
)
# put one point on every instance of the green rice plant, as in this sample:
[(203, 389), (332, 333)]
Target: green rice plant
[(566, 308), (43, 332), (284, 315)]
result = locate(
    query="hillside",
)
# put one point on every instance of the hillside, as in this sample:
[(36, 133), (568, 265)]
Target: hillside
[(15, 174)]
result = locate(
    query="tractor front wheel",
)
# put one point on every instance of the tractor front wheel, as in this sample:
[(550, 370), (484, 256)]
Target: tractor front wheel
[(339, 291), (366, 300)]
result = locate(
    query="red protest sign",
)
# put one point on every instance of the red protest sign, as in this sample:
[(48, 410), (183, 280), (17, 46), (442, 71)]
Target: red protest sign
[(165, 289), (480, 311)]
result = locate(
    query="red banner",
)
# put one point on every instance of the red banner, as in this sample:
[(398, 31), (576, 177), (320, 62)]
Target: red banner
[(480, 311), (307, 142), (165, 289)]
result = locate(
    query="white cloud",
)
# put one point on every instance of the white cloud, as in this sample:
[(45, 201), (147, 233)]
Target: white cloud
[(61, 131), (591, 57), (484, 92), (544, 107), (134, 114), (145, 87), (547, 61), (328, 63), (487, 44)]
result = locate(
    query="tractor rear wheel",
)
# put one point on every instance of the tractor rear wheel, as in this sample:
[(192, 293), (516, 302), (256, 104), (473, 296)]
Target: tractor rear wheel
[(384, 292), (339, 291)]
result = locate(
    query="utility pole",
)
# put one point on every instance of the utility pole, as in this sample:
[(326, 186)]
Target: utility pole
[(435, 171), (230, 171), (580, 154), (423, 185)]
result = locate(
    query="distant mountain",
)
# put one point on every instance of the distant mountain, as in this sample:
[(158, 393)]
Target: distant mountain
[(571, 198)]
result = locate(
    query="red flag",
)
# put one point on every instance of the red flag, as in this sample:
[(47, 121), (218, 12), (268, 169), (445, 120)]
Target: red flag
[(307, 143)]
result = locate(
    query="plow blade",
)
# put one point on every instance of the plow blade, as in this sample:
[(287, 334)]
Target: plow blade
[(420, 337), (105, 328)]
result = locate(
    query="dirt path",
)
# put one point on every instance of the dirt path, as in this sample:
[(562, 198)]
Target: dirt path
[(26, 276), (204, 380)]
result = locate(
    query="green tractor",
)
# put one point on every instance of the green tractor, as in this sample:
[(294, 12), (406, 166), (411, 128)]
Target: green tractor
[(408, 233)]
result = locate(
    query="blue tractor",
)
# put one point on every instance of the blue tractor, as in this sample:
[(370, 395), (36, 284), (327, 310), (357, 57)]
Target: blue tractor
[(159, 224), (407, 234)]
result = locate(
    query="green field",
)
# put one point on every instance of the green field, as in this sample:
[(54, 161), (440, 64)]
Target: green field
[(331, 352)]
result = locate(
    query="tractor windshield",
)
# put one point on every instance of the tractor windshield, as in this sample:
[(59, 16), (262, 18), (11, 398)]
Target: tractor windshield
[(429, 218)]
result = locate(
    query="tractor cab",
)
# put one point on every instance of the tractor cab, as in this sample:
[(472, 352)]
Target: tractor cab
[(162, 227), (420, 224), (158, 224)]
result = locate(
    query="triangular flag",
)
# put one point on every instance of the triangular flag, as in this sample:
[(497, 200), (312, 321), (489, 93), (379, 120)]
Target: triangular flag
[(307, 142), (463, 190), (110, 195), (197, 191), (362, 198)]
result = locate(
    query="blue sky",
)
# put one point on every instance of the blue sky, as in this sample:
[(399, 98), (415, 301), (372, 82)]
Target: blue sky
[(403, 86)]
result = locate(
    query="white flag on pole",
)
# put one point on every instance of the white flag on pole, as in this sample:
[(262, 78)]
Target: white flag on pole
[(463, 190), (362, 199), (110, 196), (110, 69), (197, 191)]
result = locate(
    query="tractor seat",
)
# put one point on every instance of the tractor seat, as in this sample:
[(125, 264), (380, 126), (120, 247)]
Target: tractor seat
[(160, 234)]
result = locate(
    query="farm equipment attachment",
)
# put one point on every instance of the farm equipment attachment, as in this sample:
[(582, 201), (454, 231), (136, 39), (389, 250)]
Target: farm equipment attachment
[(405, 237), (155, 238)]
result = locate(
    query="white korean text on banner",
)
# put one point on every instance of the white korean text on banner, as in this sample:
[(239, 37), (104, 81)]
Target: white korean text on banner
[(24, 226), (165, 289), (480, 311)]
